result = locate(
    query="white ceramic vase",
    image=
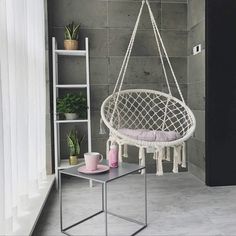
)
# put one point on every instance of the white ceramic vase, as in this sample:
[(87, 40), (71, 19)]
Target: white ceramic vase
[(71, 116)]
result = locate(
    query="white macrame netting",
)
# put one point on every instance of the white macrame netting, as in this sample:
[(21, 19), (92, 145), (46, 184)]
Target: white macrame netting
[(148, 109)]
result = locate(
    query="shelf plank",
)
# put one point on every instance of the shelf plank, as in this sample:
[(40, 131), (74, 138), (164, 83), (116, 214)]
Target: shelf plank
[(71, 85), (71, 52), (64, 164), (71, 121)]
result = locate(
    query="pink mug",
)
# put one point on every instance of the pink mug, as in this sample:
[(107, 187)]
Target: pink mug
[(92, 159)]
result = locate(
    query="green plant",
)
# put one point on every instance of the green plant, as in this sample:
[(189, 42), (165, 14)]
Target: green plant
[(72, 103), (71, 31), (74, 143)]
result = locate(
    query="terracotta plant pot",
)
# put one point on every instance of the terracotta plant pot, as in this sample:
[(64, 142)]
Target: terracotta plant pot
[(71, 44), (73, 160)]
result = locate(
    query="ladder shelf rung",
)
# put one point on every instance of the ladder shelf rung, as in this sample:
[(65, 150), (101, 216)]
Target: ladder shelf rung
[(71, 121), (64, 163), (71, 52), (71, 85)]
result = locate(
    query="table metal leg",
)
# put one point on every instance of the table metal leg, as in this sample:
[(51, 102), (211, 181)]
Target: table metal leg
[(60, 198), (105, 206), (145, 186), (102, 197)]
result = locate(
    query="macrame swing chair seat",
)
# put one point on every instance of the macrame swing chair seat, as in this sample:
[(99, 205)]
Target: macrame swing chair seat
[(148, 119)]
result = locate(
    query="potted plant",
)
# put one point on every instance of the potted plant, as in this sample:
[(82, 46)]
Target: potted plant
[(74, 146), (71, 33), (72, 106)]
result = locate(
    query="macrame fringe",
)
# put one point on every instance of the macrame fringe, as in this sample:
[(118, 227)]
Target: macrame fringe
[(159, 156), (102, 127), (120, 153), (142, 158), (177, 158), (168, 153), (125, 154), (184, 155)]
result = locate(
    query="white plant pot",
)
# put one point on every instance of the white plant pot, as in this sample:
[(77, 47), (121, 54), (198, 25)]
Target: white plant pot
[(71, 116)]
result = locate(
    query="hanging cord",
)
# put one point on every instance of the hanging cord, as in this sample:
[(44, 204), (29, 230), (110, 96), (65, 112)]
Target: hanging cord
[(102, 129), (162, 63), (164, 49), (129, 49), (160, 53), (126, 61)]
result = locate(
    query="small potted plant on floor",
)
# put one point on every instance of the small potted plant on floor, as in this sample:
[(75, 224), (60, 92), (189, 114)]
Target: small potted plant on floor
[(71, 34), (74, 146), (72, 106)]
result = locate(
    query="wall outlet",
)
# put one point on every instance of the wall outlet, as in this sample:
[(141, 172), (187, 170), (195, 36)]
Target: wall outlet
[(197, 49)]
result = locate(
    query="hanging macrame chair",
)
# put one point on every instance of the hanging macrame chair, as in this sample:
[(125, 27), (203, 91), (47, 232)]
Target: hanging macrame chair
[(140, 110)]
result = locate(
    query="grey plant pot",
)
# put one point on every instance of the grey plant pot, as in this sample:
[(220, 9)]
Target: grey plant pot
[(71, 116)]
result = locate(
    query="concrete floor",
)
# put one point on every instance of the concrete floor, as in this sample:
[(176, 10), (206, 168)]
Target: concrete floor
[(178, 204)]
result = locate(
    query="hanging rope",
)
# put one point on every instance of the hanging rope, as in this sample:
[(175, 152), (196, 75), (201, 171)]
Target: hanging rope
[(126, 60), (164, 49), (128, 52), (159, 49)]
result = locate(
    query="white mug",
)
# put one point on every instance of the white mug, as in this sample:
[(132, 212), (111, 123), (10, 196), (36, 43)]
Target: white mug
[(92, 159)]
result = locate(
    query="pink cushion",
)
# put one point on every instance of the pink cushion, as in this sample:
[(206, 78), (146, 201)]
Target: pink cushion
[(150, 135)]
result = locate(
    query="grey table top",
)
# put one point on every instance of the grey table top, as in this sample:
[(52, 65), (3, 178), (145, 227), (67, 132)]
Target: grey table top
[(112, 174)]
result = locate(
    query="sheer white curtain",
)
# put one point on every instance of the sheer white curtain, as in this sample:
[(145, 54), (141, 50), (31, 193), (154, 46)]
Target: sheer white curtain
[(22, 106)]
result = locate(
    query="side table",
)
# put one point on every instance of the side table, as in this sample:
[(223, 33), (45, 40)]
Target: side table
[(124, 169)]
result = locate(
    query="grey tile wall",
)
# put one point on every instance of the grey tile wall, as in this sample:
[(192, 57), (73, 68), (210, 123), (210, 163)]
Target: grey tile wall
[(196, 86), (172, 13), (196, 12), (108, 25)]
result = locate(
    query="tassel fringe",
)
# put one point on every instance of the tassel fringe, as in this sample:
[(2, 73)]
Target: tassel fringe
[(125, 155), (142, 158), (102, 127), (159, 156), (184, 155)]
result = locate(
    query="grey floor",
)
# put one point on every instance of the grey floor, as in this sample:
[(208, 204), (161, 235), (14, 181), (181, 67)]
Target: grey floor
[(178, 204)]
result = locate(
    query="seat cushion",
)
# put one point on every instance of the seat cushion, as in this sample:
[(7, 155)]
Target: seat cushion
[(150, 135)]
